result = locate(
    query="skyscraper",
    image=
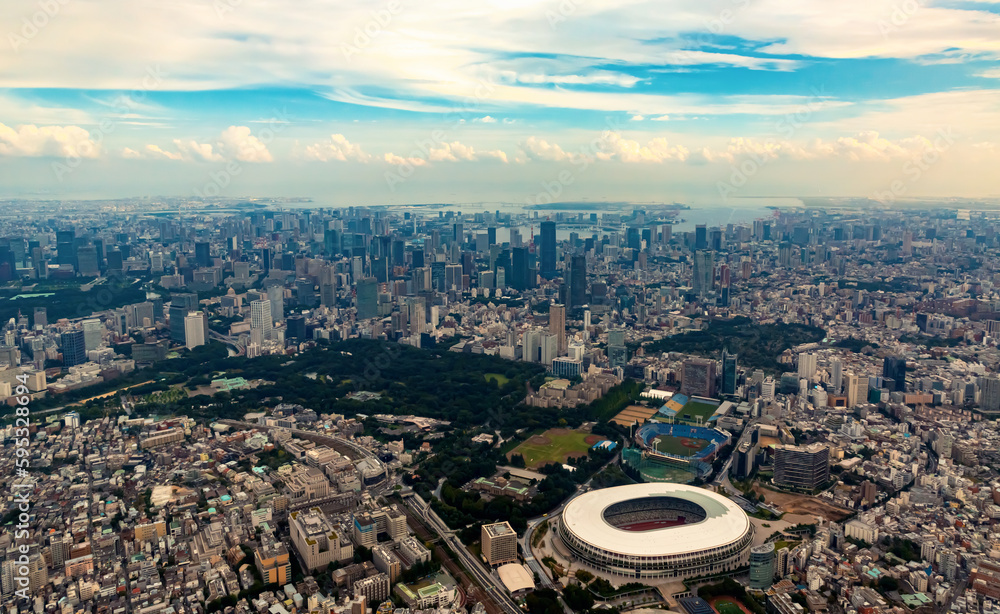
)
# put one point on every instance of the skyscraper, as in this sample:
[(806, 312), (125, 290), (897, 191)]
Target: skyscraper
[(807, 366), (698, 377), (803, 467), (989, 397), (704, 272), (74, 348), (547, 264), (894, 368), (836, 375), (202, 254), (762, 566), (276, 294), (194, 329), (93, 333), (557, 326), (700, 237), (367, 298), (260, 317), (181, 304), (577, 281), (728, 372)]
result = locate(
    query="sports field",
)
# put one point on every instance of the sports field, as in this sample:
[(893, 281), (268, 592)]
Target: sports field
[(680, 446), (694, 409), (727, 605), (555, 446)]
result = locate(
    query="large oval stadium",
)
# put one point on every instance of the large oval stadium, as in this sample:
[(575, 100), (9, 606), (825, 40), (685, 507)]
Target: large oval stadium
[(657, 531)]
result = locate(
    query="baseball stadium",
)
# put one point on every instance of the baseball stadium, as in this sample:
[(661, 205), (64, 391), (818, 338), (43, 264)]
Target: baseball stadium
[(657, 531), (693, 444)]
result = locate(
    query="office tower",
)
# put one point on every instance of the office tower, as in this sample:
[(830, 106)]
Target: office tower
[(194, 329), (66, 247), (181, 304), (700, 237), (743, 464), (296, 327), (499, 542), (74, 348), (907, 243), (458, 233), (276, 294), (202, 254), (698, 377), (532, 346), (989, 396), (417, 315), (41, 316), (802, 467), (704, 273), (116, 261), (491, 234), (666, 231), (86, 258), (785, 254), (856, 389), (367, 298), (837, 375), (715, 240), (577, 281), (260, 318), (762, 566), (807, 366), (328, 295), (549, 349), (518, 278), (557, 326), (767, 388), (728, 372), (894, 368), (93, 333), (304, 292), (547, 262), (617, 351)]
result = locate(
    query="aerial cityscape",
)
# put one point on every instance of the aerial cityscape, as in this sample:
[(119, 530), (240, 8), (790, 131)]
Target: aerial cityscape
[(518, 307)]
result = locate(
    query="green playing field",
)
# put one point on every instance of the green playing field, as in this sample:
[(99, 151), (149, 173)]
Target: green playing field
[(679, 446)]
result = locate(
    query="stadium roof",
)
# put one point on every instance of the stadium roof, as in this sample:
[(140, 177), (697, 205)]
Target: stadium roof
[(515, 577), (724, 521)]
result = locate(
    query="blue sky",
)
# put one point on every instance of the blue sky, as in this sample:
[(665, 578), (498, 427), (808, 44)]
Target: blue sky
[(397, 101)]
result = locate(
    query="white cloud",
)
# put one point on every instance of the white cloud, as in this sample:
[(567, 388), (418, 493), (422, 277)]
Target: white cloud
[(238, 142), (61, 141), (130, 154), (615, 147), (393, 159), (992, 73), (486, 120), (539, 149), (637, 118), (337, 148), (455, 151)]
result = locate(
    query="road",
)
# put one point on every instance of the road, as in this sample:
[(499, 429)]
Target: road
[(494, 587)]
